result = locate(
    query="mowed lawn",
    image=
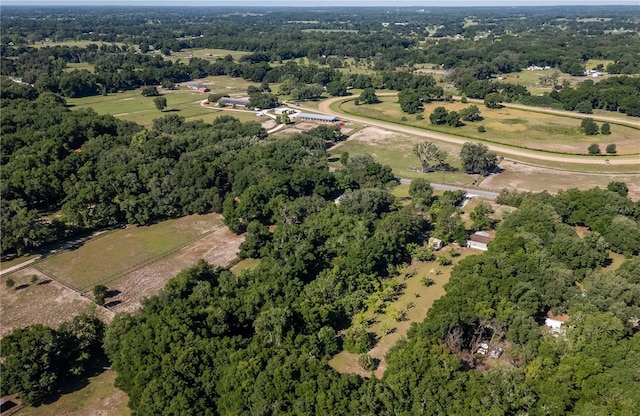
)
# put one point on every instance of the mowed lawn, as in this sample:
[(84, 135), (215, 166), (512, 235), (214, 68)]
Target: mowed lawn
[(396, 150), (185, 102), (103, 259), (526, 129)]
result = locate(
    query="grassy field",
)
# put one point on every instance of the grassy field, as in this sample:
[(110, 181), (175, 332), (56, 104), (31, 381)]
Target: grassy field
[(415, 301), (82, 65), (98, 397), (132, 106), (103, 259), (212, 54), (246, 264), (520, 128)]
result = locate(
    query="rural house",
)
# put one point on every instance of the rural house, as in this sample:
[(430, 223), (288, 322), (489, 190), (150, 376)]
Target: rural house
[(479, 240)]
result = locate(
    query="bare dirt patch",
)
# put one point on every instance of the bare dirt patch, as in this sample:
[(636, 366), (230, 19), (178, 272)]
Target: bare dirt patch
[(218, 248), (45, 302), (537, 179), (268, 124), (373, 136), (304, 126)]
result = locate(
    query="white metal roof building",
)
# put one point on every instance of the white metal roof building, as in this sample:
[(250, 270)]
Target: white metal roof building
[(315, 117)]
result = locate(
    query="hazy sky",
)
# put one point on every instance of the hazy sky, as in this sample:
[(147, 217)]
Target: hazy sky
[(390, 3)]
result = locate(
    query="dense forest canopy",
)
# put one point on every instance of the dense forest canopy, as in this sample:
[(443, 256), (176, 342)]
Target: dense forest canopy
[(259, 342)]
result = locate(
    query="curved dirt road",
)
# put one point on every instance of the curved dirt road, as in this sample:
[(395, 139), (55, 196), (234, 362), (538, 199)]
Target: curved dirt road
[(506, 151)]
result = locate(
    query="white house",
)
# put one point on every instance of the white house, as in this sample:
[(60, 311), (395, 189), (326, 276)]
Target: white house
[(479, 240)]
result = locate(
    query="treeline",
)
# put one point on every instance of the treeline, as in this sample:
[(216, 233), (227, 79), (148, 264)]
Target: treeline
[(500, 39)]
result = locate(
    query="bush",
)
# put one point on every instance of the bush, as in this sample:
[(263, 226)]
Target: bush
[(481, 129), (611, 148), (357, 340), (10, 282), (589, 127), (150, 92), (444, 261), (419, 116), (427, 281), (594, 149), (605, 129), (365, 361), (99, 294)]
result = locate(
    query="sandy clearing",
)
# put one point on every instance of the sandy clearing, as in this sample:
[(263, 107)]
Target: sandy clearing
[(526, 177), (48, 303), (502, 150)]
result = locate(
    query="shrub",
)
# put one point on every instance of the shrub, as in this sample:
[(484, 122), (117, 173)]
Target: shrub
[(99, 294), (605, 129), (10, 282), (589, 127), (594, 149), (611, 148), (365, 361), (427, 281)]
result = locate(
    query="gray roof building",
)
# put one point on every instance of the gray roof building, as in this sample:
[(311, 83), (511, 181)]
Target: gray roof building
[(315, 117)]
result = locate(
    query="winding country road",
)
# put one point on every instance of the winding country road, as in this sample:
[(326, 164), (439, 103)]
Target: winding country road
[(505, 151)]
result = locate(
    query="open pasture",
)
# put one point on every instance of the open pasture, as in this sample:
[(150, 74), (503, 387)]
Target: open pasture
[(132, 106), (111, 255), (396, 150), (509, 126), (205, 53), (44, 301)]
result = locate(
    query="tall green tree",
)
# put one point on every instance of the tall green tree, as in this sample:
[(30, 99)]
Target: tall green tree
[(477, 158)]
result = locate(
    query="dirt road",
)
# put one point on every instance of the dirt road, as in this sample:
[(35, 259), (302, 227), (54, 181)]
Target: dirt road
[(506, 151)]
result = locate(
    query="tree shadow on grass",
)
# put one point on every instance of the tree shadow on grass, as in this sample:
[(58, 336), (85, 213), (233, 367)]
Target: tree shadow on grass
[(22, 286), (112, 303), (112, 293), (75, 383), (44, 282)]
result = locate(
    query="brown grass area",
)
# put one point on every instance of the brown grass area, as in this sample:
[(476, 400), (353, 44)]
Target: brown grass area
[(47, 302), (536, 179), (415, 293), (218, 248)]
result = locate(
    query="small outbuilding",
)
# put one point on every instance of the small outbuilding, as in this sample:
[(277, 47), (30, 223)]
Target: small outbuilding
[(479, 240), (555, 323)]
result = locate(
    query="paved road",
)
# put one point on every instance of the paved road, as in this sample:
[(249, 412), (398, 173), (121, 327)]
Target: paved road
[(471, 192), (506, 151)]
